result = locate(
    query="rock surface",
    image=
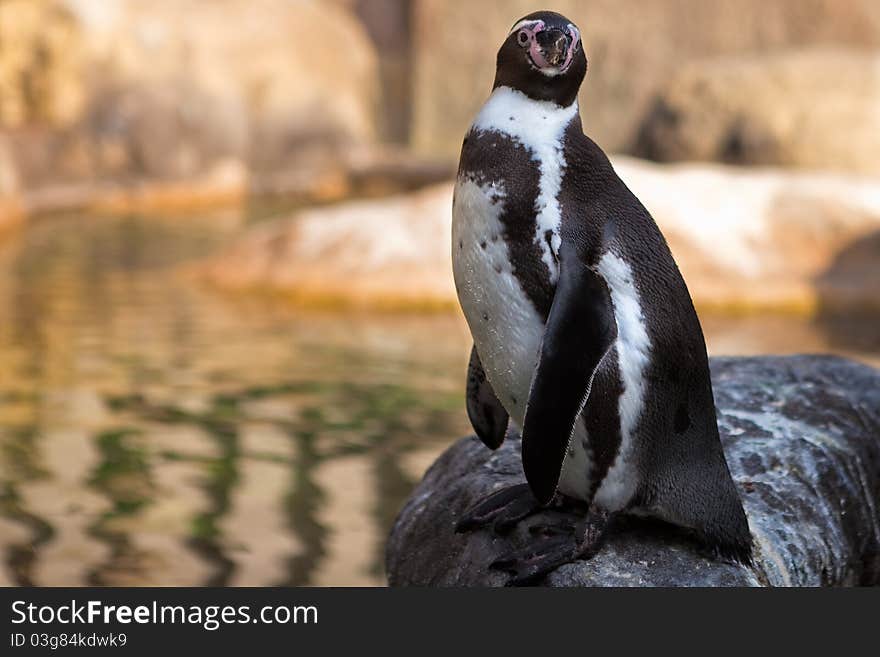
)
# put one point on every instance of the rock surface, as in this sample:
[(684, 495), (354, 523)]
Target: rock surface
[(10, 199), (265, 80), (41, 57), (633, 46), (743, 239), (380, 253), (783, 109), (802, 438)]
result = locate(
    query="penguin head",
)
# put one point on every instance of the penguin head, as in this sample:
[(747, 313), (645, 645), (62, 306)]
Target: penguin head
[(543, 58)]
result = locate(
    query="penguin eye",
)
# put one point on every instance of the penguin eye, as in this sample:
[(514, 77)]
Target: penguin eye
[(522, 38)]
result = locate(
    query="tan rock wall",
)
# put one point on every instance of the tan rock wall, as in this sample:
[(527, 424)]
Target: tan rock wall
[(159, 90), (634, 47), (817, 109), (41, 64), (10, 199)]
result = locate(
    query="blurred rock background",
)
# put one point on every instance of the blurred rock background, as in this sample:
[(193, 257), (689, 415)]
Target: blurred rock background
[(210, 94), (742, 55), (162, 104), (168, 416), (95, 90)]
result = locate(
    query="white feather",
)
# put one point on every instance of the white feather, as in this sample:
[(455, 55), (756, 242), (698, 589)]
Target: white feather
[(509, 341), (524, 23), (633, 353), (504, 324), (539, 126)]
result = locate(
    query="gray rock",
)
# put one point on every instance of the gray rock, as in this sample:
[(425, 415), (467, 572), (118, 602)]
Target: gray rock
[(802, 437)]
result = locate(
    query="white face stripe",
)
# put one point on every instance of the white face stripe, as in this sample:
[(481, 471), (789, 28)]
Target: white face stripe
[(531, 24), (525, 23), (575, 38)]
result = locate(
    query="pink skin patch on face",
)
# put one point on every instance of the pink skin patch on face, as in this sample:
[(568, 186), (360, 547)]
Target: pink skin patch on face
[(536, 54), (531, 29), (575, 35)]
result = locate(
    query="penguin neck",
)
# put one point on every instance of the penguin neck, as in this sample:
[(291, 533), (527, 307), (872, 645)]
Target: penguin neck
[(512, 112)]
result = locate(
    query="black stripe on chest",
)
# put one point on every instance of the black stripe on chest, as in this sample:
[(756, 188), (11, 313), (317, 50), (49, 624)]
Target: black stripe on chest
[(491, 157)]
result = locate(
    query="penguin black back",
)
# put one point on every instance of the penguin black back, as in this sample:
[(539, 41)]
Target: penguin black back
[(684, 475)]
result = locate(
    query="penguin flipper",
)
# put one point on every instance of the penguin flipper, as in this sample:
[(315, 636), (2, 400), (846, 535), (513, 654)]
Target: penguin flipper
[(579, 331), (487, 415)]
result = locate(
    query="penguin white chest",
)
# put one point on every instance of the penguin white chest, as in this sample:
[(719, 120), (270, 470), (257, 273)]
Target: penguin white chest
[(504, 323)]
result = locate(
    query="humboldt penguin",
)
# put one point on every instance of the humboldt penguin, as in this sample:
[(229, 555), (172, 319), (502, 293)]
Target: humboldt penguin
[(584, 331)]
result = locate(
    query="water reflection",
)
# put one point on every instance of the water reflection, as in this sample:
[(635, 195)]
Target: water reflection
[(153, 432)]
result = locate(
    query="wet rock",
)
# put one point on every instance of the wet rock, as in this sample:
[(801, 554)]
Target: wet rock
[(802, 438), (778, 109)]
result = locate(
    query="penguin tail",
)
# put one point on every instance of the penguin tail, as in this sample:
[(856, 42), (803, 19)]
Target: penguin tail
[(708, 504), (724, 528), (737, 549)]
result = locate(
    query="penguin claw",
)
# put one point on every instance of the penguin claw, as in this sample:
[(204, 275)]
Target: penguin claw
[(529, 565), (562, 543), (502, 509), (552, 529)]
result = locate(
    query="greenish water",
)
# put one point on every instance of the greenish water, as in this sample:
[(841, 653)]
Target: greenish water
[(156, 432)]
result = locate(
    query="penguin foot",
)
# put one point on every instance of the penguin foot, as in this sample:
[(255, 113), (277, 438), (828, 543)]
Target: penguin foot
[(564, 527), (502, 509), (528, 565), (562, 543)]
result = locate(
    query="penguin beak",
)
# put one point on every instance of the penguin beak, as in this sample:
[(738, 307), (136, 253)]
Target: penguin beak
[(552, 49)]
